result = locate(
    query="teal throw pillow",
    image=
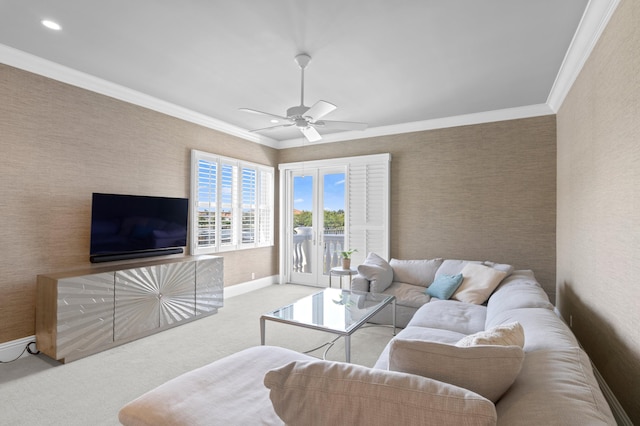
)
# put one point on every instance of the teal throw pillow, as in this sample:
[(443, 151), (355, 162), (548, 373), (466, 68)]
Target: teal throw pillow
[(444, 286)]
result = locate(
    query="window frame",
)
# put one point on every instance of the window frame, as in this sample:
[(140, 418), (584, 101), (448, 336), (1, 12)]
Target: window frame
[(227, 192)]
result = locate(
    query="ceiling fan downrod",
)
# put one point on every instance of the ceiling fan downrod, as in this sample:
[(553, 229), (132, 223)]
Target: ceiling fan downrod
[(302, 60)]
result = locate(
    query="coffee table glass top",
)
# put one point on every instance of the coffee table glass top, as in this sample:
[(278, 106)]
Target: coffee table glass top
[(334, 309)]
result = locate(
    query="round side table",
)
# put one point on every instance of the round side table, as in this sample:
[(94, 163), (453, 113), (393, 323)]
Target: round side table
[(341, 272)]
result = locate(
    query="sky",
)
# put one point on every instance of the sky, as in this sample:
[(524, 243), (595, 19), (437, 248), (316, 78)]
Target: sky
[(333, 192)]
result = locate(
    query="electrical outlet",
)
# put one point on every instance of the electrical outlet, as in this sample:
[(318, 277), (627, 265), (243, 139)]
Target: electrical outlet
[(253, 275)]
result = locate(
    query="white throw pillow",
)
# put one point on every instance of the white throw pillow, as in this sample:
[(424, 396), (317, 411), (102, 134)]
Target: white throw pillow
[(336, 393), (486, 370), (377, 271), (478, 284), (511, 334)]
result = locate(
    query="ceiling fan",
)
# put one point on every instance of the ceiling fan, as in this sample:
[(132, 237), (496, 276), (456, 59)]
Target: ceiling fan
[(308, 119)]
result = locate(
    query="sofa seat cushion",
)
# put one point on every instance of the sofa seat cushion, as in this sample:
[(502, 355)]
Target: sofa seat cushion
[(543, 329), (227, 391), (555, 387), (465, 318), (416, 272), (418, 333), (488, 370), (408, 294), (336, 393)]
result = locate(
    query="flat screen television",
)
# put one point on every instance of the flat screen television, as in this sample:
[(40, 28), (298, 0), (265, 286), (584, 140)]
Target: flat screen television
[(131, 226)]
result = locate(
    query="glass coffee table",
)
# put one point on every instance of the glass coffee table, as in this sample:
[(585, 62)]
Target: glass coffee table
[(332, 310)]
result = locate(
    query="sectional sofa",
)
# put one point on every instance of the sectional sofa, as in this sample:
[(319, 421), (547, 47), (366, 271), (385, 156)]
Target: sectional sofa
[(490, 350)]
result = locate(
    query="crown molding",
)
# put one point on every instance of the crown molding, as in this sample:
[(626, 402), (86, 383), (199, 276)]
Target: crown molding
[(594, 20), (28, 62), (437, 123)]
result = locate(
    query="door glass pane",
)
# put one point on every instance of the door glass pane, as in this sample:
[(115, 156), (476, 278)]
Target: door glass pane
[(302, 224), (333, 207)]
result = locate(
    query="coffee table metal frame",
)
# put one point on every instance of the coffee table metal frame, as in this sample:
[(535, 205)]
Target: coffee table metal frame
[(346, 332)]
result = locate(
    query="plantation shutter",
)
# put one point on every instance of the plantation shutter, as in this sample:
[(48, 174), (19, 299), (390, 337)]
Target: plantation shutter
[(265, 209), (207, 203), (368, 204), (232, 204), (249, 207), (227, 211)]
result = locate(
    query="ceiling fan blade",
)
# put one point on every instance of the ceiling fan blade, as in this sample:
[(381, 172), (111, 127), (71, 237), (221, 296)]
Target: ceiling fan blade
[(341, 125), (255, 111), (272, 127), (319, 110), (310, 133)]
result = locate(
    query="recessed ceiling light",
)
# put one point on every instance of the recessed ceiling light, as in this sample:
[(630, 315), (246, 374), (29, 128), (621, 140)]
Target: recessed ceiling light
[(51, 24), (274, 121)]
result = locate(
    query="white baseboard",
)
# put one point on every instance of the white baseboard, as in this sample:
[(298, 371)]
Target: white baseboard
[(14, 349), (622, 419), (238, 289)]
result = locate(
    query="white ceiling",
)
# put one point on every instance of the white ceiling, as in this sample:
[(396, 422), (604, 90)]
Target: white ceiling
[(397, 65)]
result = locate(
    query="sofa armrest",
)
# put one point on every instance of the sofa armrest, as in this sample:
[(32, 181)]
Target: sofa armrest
[(359, 283)]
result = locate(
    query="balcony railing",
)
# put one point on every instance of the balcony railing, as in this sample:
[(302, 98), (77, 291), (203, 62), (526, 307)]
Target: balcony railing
[(333, 239)]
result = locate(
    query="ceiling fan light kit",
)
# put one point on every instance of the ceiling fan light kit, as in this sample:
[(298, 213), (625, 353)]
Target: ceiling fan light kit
[(307, 119)]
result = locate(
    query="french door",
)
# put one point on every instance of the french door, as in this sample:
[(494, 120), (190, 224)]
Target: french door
[(327, 206), (316, 219)]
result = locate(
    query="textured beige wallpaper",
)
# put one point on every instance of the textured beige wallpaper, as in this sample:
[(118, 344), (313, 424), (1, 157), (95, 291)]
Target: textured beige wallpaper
[(599, 206), (59, 144), (484, 192)]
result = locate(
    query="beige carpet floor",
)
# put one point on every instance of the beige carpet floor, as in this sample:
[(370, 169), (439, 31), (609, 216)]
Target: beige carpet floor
[(39, 391)]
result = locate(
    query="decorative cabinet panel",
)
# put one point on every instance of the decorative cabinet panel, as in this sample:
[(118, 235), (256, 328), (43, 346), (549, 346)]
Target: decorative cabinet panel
[(209, 286), (81, 314), (85, 313), (153, 297)]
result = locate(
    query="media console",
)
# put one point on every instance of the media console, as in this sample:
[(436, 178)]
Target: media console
[(79, 313)]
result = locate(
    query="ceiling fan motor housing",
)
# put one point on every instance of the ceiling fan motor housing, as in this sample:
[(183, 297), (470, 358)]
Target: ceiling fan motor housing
[(297, 111)]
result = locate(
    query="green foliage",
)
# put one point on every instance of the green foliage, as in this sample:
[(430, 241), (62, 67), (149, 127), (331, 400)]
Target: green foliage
[(347, 254), (333, 219)]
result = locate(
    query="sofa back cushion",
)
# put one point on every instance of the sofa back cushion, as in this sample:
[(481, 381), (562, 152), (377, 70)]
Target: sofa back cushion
[(520, 290), (486, 370), (324, 392), (416, 272), (543, 329), (454, 266)]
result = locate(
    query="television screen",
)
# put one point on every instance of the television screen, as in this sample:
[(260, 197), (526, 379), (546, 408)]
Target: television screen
[(122, 224)]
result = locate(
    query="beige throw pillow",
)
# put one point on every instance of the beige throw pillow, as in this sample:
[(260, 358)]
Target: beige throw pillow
[(511, 334), (486, 370), (335, 393), (478, 283)]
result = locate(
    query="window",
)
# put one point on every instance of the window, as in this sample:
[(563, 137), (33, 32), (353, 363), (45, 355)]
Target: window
[(232, 204)]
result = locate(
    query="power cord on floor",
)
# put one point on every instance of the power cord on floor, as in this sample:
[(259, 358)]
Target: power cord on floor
[(26, 349)]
